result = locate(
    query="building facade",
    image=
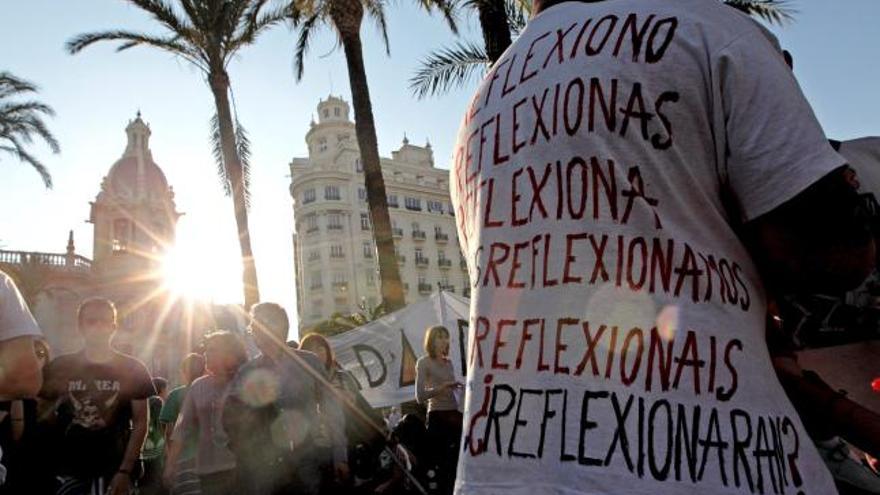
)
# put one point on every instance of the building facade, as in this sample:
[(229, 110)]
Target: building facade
[(334, 252), (134, 217)]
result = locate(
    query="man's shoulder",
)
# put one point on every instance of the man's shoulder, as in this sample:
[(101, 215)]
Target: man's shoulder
[(129, 362)]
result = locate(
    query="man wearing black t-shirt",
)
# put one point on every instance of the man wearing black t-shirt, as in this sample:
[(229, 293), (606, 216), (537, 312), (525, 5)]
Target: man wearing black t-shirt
[(101, 405)]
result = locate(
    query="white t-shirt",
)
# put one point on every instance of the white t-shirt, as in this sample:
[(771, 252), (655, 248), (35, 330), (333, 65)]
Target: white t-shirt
[(616, 337), (15, 317)]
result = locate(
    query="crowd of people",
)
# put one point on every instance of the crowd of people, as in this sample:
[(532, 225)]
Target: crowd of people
[(289, 420)]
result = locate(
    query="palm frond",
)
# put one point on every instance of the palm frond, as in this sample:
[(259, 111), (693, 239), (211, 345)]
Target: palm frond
[(165, 14), (217, 151), (376, 11), (302, 44), (243, 147), (518, 13), (448, 68), (447, 8), (773, 11), (11, 85), (130, 39), (18, 150)]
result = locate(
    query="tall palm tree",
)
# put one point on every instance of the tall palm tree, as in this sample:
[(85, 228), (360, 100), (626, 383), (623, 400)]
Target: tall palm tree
[(21, 121), (455, 66), (208, 34), (345, 17)]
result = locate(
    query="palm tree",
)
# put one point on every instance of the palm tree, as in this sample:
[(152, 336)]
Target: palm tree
[(455, 66), (21, 121), (208, 34), (346, 16)]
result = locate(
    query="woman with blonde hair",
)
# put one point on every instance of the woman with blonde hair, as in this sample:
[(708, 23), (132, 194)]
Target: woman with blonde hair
[(437, 387)]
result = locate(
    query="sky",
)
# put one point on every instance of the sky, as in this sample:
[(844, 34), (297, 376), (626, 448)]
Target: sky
[(98, 91)]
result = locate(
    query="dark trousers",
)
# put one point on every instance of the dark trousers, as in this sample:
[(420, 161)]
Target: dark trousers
[(221, 483), (444, 433)]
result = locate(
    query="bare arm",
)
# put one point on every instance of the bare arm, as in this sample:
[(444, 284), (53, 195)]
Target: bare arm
[(817, 242), (21, 377), (140, 416)]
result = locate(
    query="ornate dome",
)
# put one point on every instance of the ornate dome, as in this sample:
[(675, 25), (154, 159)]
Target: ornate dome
[(136, 174)]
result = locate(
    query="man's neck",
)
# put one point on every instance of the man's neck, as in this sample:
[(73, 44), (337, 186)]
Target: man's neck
[(98, 352)]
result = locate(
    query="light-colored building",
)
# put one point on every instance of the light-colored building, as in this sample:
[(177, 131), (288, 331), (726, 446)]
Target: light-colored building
[(334, 252), (135, 218)]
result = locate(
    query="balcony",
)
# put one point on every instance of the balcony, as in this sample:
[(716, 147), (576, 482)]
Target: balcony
[(340, 286), (337, 256), (424, 288), (334, 227), (447, 288), (419, 235), (421, 261), (396, 232), (401, 259), (441, 238), (54, 261), (312, 230), (316, 287), (444, 263)]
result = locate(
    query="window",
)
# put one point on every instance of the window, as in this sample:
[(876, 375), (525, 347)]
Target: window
[(362, 194), (121, 235), (314, 255), (435, 206), (322, 144), (331, 193), (311, 223), (414, 204), (334, 221), (339, 280), (365, 221), (441, 255), (392, 200), (308, 196), (317, 282), (420, 254), (368, 250), (370, 278), (336, 112), (358, 166), (336, 251)]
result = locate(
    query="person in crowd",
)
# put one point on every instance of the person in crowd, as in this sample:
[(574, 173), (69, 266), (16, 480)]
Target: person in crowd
[(153, 452), (200, 418), (364, 434), (22, 436), (272, 412), (393, 417), (437, 388), (100, 398), (18, 330), (186, 480), (633, 177)]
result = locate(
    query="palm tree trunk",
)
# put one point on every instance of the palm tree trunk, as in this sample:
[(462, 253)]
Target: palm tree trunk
[(496, 29), (365, 128), (219, 82)]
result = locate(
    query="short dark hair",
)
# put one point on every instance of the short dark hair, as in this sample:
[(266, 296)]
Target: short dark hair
[(95, 302), (231, 343), (431, 335), (192, 366), (161, 384), (272, 318)]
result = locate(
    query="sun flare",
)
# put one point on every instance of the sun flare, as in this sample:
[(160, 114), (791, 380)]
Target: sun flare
[(199, 274)]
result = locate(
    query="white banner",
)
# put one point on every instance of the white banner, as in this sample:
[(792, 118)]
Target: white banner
[(382, 354)]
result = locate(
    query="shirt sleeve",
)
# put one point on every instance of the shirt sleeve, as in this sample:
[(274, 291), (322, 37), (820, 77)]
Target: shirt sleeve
[(775, 145), (142, 382), (16, 319), (422, 383), (171, 407)]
